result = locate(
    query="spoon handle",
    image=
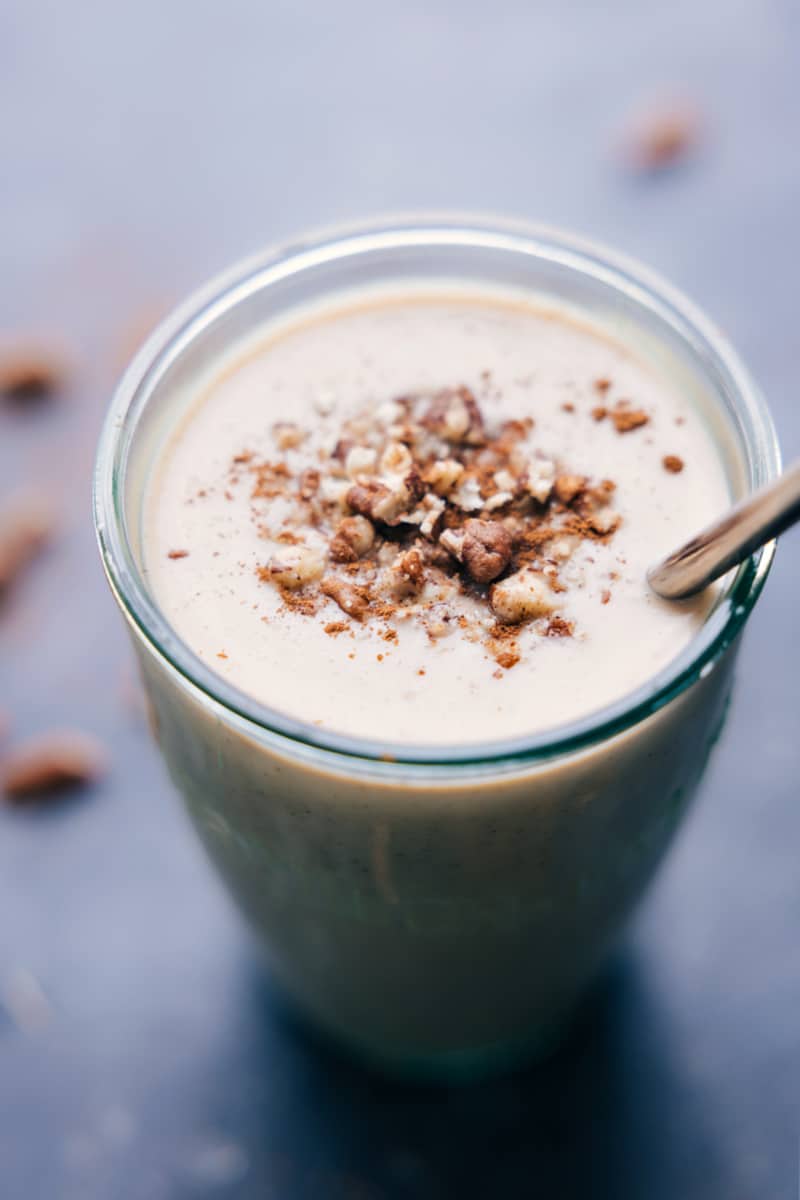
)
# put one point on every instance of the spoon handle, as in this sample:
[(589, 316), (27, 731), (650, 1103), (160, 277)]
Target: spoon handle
[(755, 520)]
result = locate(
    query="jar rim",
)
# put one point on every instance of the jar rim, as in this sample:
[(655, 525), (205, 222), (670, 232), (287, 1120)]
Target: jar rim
[(178, 331)]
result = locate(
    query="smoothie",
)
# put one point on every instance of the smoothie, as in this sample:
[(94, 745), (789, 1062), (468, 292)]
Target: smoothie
[(378, 512), (429, 519)]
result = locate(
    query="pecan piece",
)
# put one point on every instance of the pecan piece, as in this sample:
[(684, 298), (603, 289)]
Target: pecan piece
[(287, 435), (407, 573), (486, 549), (353, 539), (293, 566), (522, 597), (363, 498), (387, 504), (454, 415), (351, 598), (626, 418), (567, 487)]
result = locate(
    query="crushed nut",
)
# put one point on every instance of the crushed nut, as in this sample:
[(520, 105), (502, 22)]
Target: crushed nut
[(381, 503), (567, 487), (434, 508), (604, 521), (626, 418), (407, 573), (353, 539), (453, 542), (523, 596), (468, 496), (538, 479), (672, 463), (359, 461), (294, 567), (486, 549), (287, 435), (443, 475), (498, 500), (423, 513), (396, 459), (351, 598), (454, 415)]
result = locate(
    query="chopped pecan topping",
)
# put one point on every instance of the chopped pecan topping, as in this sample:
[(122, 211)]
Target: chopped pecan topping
[(293, 567), (351, 598), (423, 512), (521, 597), (407, 573), (454, 415), (360, 460), (364, 498), (443, 475), (353, 539), (287, 435), (486, 550), (672, 463), (567, 487), (626, 418)]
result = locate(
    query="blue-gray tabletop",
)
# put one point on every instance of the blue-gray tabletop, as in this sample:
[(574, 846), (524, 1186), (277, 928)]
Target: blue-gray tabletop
[(142, 148)]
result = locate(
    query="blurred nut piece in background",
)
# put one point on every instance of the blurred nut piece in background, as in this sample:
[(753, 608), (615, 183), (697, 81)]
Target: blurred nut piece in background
[(32, 370), (50, 763), (27, 524), (662, 136)]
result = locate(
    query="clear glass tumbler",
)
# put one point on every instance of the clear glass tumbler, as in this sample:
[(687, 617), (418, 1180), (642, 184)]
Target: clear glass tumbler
[(437, 909)]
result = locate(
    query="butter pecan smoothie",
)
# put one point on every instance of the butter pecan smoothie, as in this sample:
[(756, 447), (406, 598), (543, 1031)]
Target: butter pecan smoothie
[(378, 512), (428, 519)]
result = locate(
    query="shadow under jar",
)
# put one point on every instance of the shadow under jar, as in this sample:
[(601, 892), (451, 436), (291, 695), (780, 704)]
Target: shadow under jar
[(438, 909)]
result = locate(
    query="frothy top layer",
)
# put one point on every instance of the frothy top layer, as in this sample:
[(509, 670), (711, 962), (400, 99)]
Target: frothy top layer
[(428, 519)]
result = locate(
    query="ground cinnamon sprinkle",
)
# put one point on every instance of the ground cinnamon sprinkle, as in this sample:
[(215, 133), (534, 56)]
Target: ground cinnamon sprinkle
[(177, 554), (334, 628), (673, 463)]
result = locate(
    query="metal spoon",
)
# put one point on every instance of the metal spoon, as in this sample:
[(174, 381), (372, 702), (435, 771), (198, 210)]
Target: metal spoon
[(754, 521)]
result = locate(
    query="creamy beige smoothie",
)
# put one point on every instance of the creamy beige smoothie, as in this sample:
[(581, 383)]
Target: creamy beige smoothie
[(380, 534), (310, 524)]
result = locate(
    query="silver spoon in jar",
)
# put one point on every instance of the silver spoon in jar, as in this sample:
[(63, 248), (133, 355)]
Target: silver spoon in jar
[(755, 520)]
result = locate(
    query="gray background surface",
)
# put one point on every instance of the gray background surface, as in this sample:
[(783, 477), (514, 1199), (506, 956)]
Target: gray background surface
[(143, 147)]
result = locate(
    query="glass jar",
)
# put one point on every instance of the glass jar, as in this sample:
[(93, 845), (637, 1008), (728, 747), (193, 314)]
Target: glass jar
[(437, 909)]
